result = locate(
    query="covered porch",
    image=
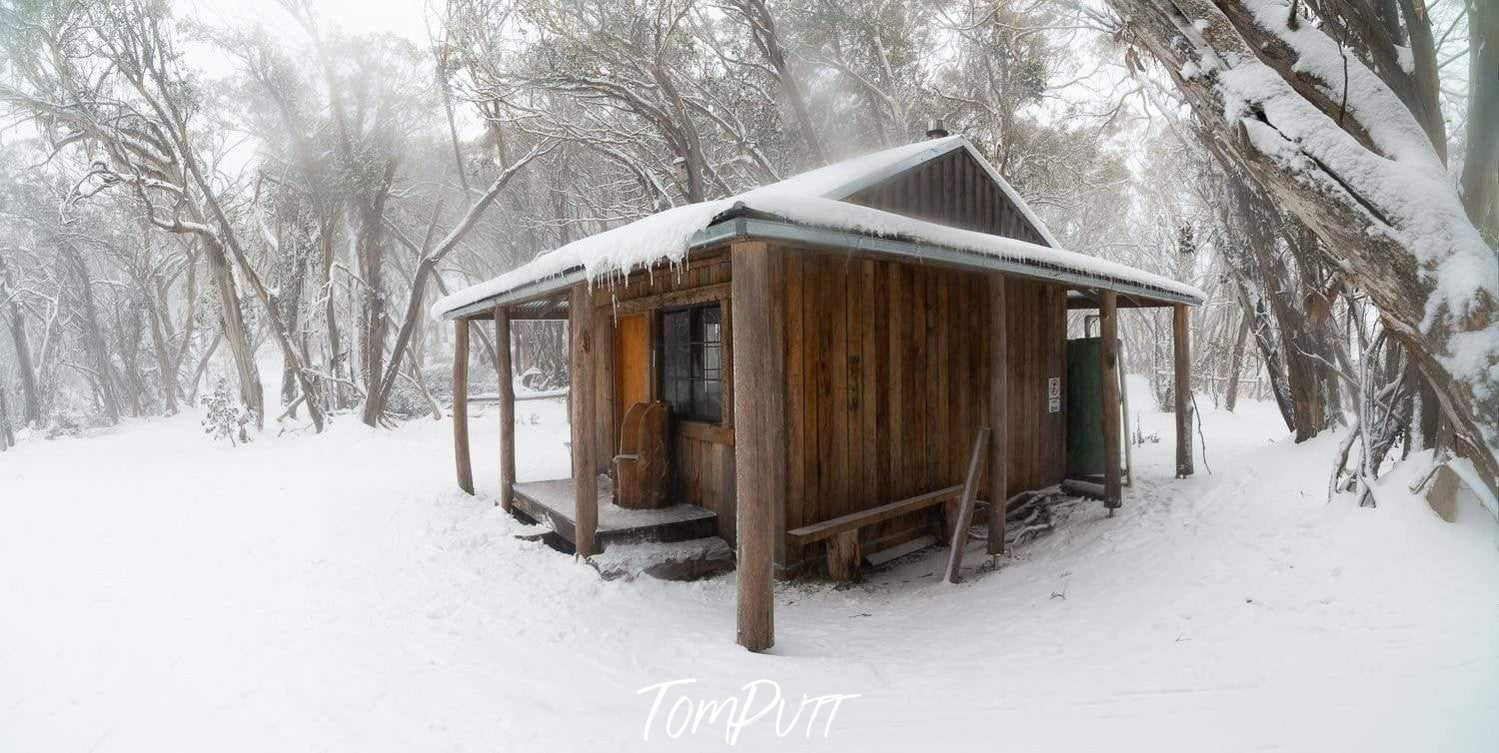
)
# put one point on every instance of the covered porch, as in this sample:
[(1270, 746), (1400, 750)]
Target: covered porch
[(554, 503), (641, 492)]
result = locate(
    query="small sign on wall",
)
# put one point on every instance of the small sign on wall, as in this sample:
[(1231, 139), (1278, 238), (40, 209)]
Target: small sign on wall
[(1054, 395)]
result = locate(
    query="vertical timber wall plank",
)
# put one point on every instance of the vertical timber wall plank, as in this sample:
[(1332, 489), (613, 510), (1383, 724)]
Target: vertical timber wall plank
[(999, 403), (796, 402)]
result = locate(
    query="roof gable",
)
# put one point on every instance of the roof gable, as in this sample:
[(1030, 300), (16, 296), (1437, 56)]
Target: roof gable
[(955, 190), (944, 180)]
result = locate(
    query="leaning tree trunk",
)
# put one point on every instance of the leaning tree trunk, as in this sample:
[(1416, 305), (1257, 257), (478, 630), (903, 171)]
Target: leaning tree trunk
[(1277, 286), (1316, 306), (129, 349), (1359, 171), (763, 29), (1264, 338), (30, 395), (216, 245), (7, 437), (1236, 364), (428, 257), (370, 249), (93, 337), (232, 324), (167, 370), (290, 302), (330, 313)]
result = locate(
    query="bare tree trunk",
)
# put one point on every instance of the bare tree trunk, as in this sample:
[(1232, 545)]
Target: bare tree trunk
[(428, 258), (232, 324), (763, 28), (218, 337), (1264, 337), (216, 246), (93, 336), (330, 312), (30, 395), (1236, 364), (1321, 351), (1422, 98), (167, 371), (1303, 373), (371, 252), (686, 137), (380, 386), (7, 436), (290, 301), (129, 350)]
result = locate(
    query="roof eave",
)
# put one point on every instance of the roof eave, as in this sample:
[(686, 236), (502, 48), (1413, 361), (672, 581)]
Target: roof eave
[(779, 230), (739, 223)]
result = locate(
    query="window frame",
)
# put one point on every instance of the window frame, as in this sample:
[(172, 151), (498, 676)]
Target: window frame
[(695, 341)]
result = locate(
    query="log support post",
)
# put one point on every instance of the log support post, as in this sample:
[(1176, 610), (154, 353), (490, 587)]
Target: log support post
[(1108, 331), (505, 376), (585, 465), (758, 438), (999, 413), (844, 556), (1183, 389), (461, 457)]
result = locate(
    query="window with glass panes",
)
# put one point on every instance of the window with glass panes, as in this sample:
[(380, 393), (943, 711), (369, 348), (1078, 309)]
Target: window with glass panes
[(692, 362)]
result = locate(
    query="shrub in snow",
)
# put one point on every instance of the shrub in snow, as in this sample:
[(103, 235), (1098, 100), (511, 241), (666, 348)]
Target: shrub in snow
[(65, 424), (225, 417), (406, 401), (438, 376)]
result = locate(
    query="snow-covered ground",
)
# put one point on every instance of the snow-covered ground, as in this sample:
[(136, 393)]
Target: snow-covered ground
[(335, 593)]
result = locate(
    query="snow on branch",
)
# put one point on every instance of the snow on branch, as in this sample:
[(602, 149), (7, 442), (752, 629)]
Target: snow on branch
[(1323, 118), (1401, 181)]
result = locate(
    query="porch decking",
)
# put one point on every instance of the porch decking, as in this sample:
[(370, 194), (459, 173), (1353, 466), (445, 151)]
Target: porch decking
[(553, 503)]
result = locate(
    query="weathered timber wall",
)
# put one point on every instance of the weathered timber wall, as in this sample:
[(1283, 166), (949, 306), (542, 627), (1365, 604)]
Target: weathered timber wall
[(1038, 352), (887, 379)]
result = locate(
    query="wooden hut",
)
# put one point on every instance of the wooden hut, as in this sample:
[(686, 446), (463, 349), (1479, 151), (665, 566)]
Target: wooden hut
[(803, 369)]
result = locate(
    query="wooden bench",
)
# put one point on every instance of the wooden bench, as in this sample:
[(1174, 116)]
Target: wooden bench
[(842, 533), (958, 506)]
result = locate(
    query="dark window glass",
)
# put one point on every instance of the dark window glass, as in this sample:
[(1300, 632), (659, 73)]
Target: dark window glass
[(692, 362)]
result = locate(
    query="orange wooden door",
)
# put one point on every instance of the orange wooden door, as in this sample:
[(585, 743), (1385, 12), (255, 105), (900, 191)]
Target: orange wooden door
[(632, 353)]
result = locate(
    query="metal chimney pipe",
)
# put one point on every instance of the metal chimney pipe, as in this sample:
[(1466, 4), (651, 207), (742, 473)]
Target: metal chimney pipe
[(935, 129)]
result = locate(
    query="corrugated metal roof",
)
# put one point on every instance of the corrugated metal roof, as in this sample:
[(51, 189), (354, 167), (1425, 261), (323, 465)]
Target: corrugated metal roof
[(716, 223)]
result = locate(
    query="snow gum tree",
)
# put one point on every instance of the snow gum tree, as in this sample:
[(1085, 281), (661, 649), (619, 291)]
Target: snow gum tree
[(106, 77), (1345, 142)]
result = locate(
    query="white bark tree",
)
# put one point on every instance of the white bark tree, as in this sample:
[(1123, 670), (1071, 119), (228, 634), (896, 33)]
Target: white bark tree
[(1335, 145)]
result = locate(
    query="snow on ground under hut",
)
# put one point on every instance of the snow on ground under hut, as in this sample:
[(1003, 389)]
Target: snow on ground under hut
[(336, 593)]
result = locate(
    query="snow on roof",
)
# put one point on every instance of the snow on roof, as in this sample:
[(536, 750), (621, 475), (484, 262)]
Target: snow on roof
[(810, 199), (842, 179)]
